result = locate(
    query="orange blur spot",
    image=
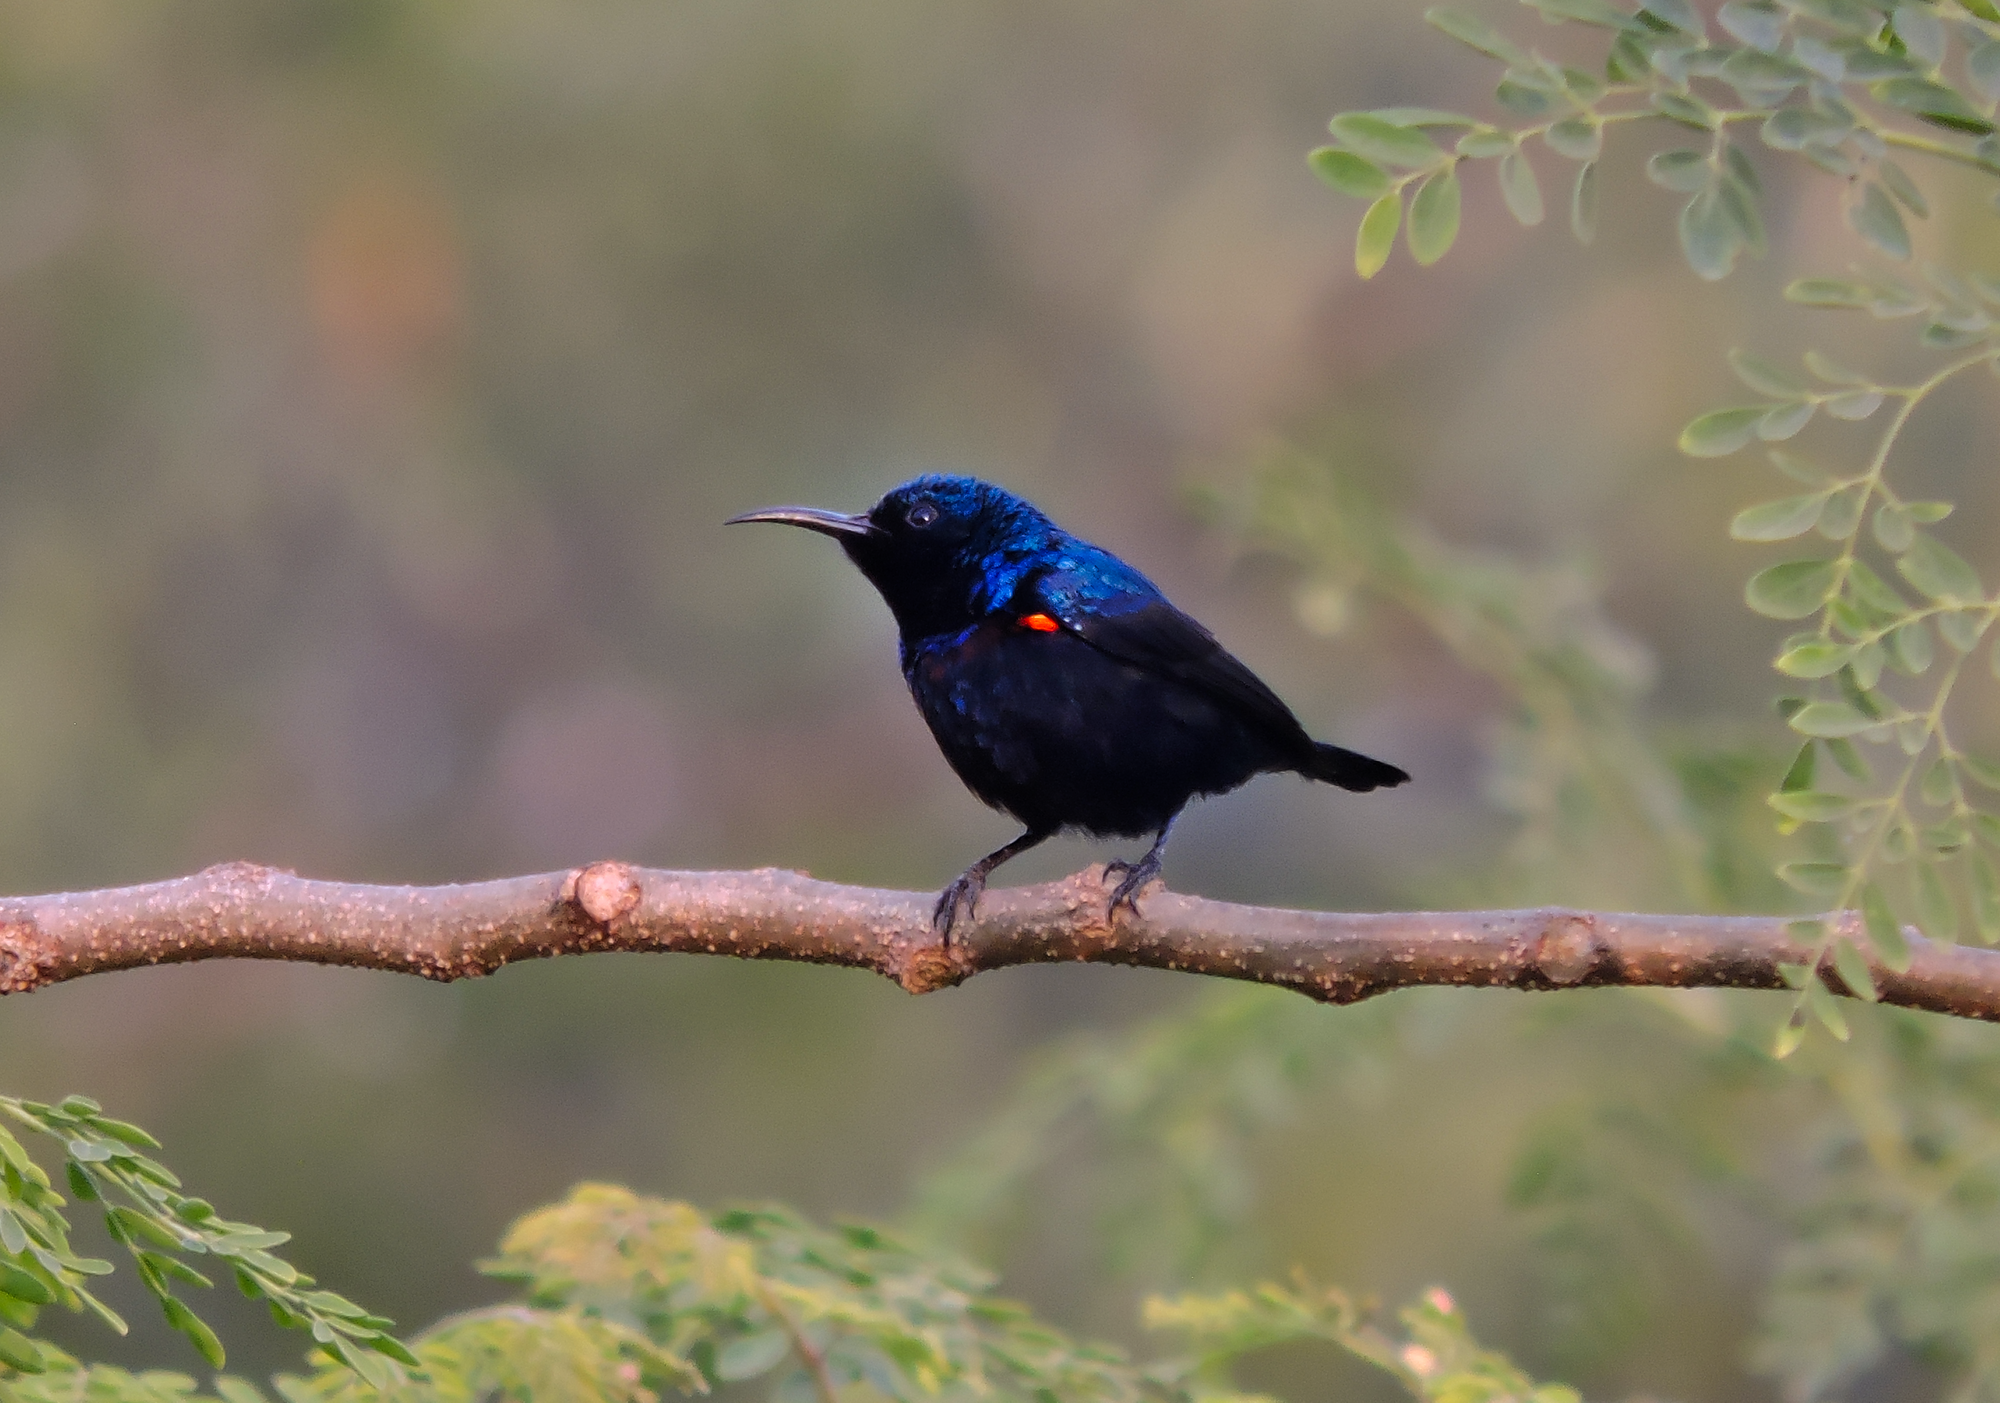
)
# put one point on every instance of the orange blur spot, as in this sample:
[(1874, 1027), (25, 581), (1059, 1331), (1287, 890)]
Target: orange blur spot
[(1040, 623)]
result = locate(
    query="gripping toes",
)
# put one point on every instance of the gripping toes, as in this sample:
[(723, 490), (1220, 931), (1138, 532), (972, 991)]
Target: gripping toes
[(964, 892), (1136, 875)]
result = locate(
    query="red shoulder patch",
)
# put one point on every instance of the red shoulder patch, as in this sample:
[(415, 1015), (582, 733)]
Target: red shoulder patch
[(1040, 623)]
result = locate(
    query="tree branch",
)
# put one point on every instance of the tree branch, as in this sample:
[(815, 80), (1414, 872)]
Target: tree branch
[(241, 911)]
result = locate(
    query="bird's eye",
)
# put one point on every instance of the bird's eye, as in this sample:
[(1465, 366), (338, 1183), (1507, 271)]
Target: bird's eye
[(922, 514)]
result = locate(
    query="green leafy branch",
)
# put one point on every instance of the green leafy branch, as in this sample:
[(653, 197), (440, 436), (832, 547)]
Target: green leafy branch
[(1917, 834), (1435, 1357), (1832, 82), (681, 1298), (160, 1227), (1821, 79)]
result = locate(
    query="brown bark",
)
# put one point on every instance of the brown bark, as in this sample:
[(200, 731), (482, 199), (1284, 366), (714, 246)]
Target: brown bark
[(241, 911)]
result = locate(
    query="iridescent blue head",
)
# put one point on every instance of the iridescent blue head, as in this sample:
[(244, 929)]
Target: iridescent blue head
[(943, 551)]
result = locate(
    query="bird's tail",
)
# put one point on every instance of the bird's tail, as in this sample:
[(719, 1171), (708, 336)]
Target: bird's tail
[(1350, 770)]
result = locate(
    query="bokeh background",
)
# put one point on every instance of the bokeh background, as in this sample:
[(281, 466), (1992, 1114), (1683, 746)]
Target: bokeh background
[(374, 378)]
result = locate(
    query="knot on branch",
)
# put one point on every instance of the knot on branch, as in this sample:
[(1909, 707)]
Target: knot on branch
[(1568, 949), (27, 956), (603, 891)]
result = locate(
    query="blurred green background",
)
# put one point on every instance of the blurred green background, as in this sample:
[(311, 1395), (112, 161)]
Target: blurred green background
[(373, 380)]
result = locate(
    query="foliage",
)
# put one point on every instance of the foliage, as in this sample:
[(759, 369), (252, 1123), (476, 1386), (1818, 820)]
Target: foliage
[(144, 1211), (1436, 1359), (1835, 83), (626, 1296)]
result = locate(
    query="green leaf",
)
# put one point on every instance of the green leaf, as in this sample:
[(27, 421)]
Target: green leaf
[(1801, 470), (1885, 933), (1790, 1034), (1384, 143), (1852, 967), (1799, 776), (1765, 376), (1848, 758), (1948, 836), (1866, 668), (25, 1285), (1583, 204), (1818, 658), (1870, 589), (1829, 718), (1679, 14), (1921, 31), (17, 1351), (1522, 99), (1814, 878), (1810, 805), (1377, 235), (1595, 12), (1937, 787), (1854, 404), (1982, 770), (1830, 370), (1721, 432), (1802, 128), (1785, 421), (1893, 527), (751, 1355), (1423, 117), (1982, 65), (1940, 572), (1778, 521), (1898, 183), (1476, 34), (1791, 590), (1985, 898), (1483, 143), (1910, 648), (1578, 138), (1348, 173), (1826, 1009), (1828, 292), (1683, 171), (1937, 913), (198, 1334), (1519, 188), (1875, 218), (1434, 217), (1961, 630), (1934, 102), (1710, 235), (1739, 201), (1759, 24)]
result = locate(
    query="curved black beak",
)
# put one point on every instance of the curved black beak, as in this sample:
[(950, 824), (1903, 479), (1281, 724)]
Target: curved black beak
[(827, 523)]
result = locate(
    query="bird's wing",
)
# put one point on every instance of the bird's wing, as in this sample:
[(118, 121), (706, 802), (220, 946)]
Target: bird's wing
[(1139, 626)]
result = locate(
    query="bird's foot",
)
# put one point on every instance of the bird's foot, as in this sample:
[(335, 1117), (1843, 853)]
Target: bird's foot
[(964, 892), (1136, 875)]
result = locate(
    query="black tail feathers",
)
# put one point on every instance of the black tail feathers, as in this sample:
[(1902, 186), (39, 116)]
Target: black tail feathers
[(1332, 765)]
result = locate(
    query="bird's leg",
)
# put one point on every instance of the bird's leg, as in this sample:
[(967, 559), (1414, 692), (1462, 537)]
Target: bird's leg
[(965, 891), (1137, 874)]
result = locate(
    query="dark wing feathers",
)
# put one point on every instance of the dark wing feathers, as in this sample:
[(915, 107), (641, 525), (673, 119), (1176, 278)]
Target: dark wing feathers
[(1161, 639)]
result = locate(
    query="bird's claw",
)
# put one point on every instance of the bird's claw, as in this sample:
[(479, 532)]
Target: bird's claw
[(962, 892), (1136, 875)]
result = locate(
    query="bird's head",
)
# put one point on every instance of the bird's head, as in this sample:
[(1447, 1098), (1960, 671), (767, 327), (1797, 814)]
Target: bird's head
[(942, 550)]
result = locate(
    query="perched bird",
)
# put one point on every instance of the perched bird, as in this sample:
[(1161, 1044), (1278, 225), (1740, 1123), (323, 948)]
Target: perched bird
[(1059, 682)]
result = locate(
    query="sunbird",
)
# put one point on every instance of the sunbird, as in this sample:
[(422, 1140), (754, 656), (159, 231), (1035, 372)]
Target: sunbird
[(1061, 685)]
